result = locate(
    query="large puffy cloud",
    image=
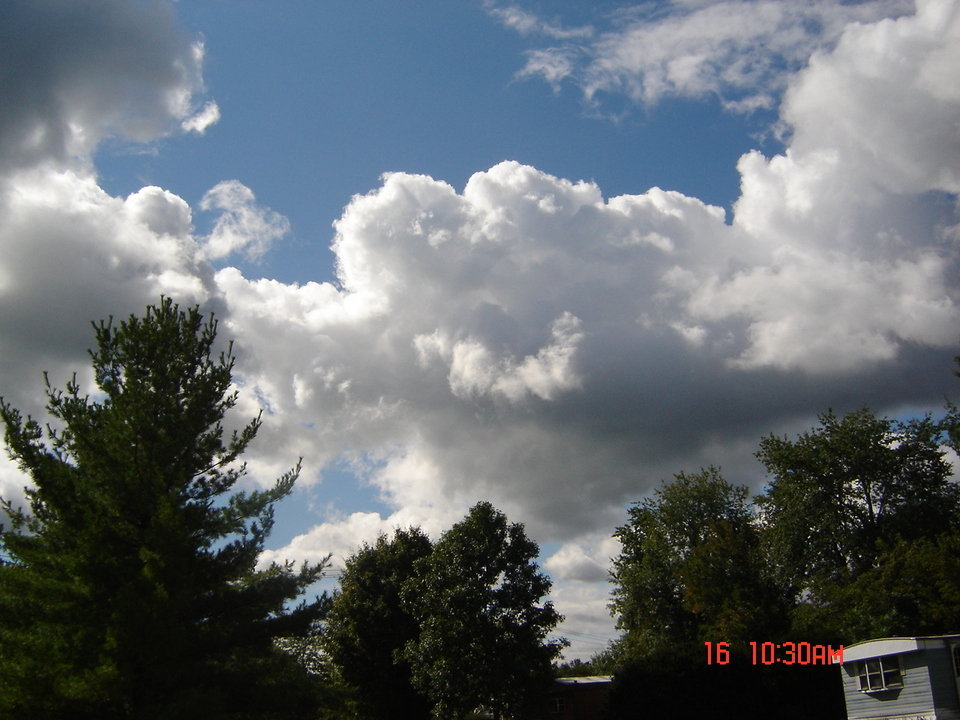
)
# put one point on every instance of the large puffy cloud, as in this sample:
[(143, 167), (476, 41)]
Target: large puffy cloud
[(528, 341), (73, 253), (853, 231), (479, 337), (886, 101)]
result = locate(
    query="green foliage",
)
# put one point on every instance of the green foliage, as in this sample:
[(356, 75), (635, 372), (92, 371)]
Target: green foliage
[(574, 668), (844, 501), (367, 628), (482, 642), (611, 659), (913, 589), (334, 700), (446, 630), (130, 589), (856, 536), (691, 570)]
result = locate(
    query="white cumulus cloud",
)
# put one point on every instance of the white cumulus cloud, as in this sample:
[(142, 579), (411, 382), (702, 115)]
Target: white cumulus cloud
[(208, 115), (849, 232), (243, 224), (529, 341)]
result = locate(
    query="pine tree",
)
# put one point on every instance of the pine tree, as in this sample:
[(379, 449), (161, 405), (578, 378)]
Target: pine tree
[(129, 587)]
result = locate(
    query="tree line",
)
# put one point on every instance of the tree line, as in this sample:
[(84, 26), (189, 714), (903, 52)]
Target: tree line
[(855, 536), (129, 585), (446, 629)]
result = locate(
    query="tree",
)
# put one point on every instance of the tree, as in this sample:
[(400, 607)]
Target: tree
[(846, 490), (574, 668), (130, 589), (367, 627), (691, 571), (913, 590), (482, 641), (913, 585)]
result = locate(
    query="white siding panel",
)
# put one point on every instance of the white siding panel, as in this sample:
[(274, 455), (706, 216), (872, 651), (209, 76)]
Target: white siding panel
[(914, 699)]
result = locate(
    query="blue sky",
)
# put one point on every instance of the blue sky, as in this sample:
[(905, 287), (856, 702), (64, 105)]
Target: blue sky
[(541, 253), (320, 99)]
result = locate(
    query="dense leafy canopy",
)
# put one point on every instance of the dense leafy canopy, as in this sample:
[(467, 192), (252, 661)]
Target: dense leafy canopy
[(914, 589), (857, 535), (129, 587), (690, 569), (367, 629), (839, 490), (849, 505), (482, 641)]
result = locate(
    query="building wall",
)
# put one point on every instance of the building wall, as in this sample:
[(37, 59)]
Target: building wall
[(580, 701), (914, 699), (942, 681)]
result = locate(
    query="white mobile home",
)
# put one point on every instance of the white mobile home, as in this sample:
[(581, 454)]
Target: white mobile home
[(903, 678)]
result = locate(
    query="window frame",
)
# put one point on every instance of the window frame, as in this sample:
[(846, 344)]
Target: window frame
[(879, 674)]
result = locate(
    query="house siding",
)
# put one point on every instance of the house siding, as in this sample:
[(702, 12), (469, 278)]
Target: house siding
[(929, 689), (913, 699), (582, 698), (942, 681)]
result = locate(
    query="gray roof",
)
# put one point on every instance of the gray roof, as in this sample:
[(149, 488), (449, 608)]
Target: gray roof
[(585, 680)]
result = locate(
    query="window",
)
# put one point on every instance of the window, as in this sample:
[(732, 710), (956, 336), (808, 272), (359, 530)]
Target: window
[(882, 673), (556, 707), (956, 660)]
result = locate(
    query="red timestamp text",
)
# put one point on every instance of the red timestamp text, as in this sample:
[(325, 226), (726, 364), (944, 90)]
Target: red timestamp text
[(787, 653)]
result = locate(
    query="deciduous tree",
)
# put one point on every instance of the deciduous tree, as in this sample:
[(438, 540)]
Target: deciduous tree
[(914, 589), (691, 570), (483, 625), (367, 627), (841, 490)]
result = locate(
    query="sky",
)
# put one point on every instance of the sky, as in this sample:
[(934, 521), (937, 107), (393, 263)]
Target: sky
[(544, 253)]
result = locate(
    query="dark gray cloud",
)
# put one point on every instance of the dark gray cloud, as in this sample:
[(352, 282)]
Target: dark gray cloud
[(73, 73)]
